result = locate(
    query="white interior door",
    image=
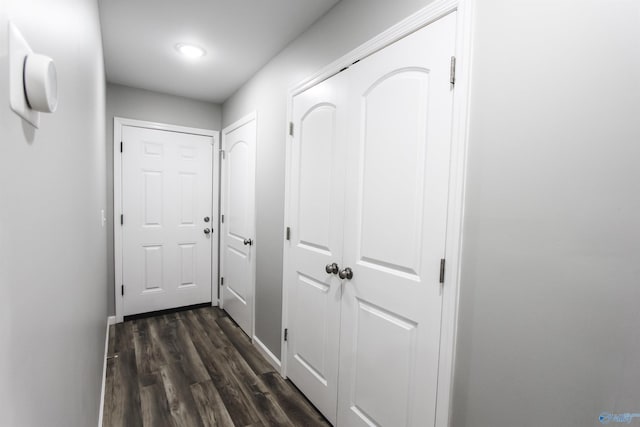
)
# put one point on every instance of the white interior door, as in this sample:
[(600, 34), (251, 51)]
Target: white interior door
[(166, 196), (316, 221), (395, 225), (238, 228)]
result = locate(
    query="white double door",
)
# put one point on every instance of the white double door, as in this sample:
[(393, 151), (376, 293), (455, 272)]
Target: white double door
[(368, 192), (168, 218)]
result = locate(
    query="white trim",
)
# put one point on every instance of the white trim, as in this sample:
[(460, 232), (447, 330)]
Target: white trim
[(271, 358), (110, 321), (164, 126), (286, 244), (459, 143), (253, 116), (457, 174), (215, 219), (421, 18), (240, 122), (118, 123)]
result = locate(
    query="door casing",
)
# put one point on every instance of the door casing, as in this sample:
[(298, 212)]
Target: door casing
[(459, 143), (118, 123)]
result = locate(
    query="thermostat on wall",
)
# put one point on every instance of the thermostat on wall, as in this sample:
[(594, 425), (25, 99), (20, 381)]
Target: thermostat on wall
[(33, 80), (40, 83)]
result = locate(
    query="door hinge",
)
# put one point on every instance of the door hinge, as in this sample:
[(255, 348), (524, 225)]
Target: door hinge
[(452, 71), (291, 128), (121, 219), (222, 153), (222, 218), (121, 146), (222, 281), (122, 290), (286, 334), (442, 262), (288, 233)]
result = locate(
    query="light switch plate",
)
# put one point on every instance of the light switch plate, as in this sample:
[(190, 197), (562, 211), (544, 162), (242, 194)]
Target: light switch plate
[(18, 51)]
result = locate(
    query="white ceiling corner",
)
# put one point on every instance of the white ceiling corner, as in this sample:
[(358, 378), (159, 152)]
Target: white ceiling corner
[(240, 36)]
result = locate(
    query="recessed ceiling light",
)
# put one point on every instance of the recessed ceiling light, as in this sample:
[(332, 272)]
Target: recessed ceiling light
[(190, 50)]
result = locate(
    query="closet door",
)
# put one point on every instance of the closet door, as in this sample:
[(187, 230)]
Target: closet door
[(316, 218), (237, 255), (395, 216)]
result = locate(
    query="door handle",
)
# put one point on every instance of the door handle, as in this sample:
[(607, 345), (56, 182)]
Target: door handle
[(207, 231), (248, 242), (346, 273), (332, 268)]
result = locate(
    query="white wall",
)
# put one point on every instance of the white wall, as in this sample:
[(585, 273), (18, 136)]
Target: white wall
[(346, 26), (139, 104), (52, 245), (551, 264), (549, 293)]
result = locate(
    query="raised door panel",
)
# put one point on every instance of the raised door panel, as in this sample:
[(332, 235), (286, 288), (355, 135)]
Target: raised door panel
[(153, 268), (315, 156), (394, 198), (153, 198), (311, 311), (237, 163), (395, 225), (188, 265), (188, 199), (383, 355)]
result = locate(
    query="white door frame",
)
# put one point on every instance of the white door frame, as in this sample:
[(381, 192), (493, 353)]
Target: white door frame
[(253, 116), (118, 123), (457, 176)]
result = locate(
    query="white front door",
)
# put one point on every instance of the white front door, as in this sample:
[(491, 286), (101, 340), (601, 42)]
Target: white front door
[(316, 224), (395, 225), (237, 260), (166, 201)]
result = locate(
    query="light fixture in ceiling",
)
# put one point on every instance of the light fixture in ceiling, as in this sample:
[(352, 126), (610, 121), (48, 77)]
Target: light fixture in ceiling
[(190, 50)]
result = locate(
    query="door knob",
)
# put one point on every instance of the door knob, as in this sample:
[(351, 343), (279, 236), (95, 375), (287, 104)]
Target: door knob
[(347, 273), (207, 231), (248, 242), (332, 268)]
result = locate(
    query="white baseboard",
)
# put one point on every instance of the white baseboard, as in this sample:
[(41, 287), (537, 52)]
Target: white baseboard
[(111, 320), (266, 353)]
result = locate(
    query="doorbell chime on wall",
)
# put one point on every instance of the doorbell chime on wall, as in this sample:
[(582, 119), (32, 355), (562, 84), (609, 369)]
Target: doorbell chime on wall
[(33, 80)]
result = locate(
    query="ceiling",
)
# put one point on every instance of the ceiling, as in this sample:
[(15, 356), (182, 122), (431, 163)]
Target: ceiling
[(240, 36)]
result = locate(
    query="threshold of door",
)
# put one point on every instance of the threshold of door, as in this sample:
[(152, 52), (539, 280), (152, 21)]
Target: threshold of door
[(166, 311)]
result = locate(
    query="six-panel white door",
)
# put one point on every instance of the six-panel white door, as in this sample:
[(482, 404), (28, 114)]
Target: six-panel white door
[(316, 221), (395, 225), (166, 196), (237, 259)]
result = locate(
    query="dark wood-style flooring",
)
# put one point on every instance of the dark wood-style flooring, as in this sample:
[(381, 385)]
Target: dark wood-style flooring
[(196, 368)]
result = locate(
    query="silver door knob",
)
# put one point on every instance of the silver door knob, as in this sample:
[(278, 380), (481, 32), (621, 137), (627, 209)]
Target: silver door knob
[(207, 231), (248, 242), (332, 268), (346, 273)]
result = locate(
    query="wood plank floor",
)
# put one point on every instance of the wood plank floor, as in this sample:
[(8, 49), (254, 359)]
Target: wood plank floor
[(196, 368)]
